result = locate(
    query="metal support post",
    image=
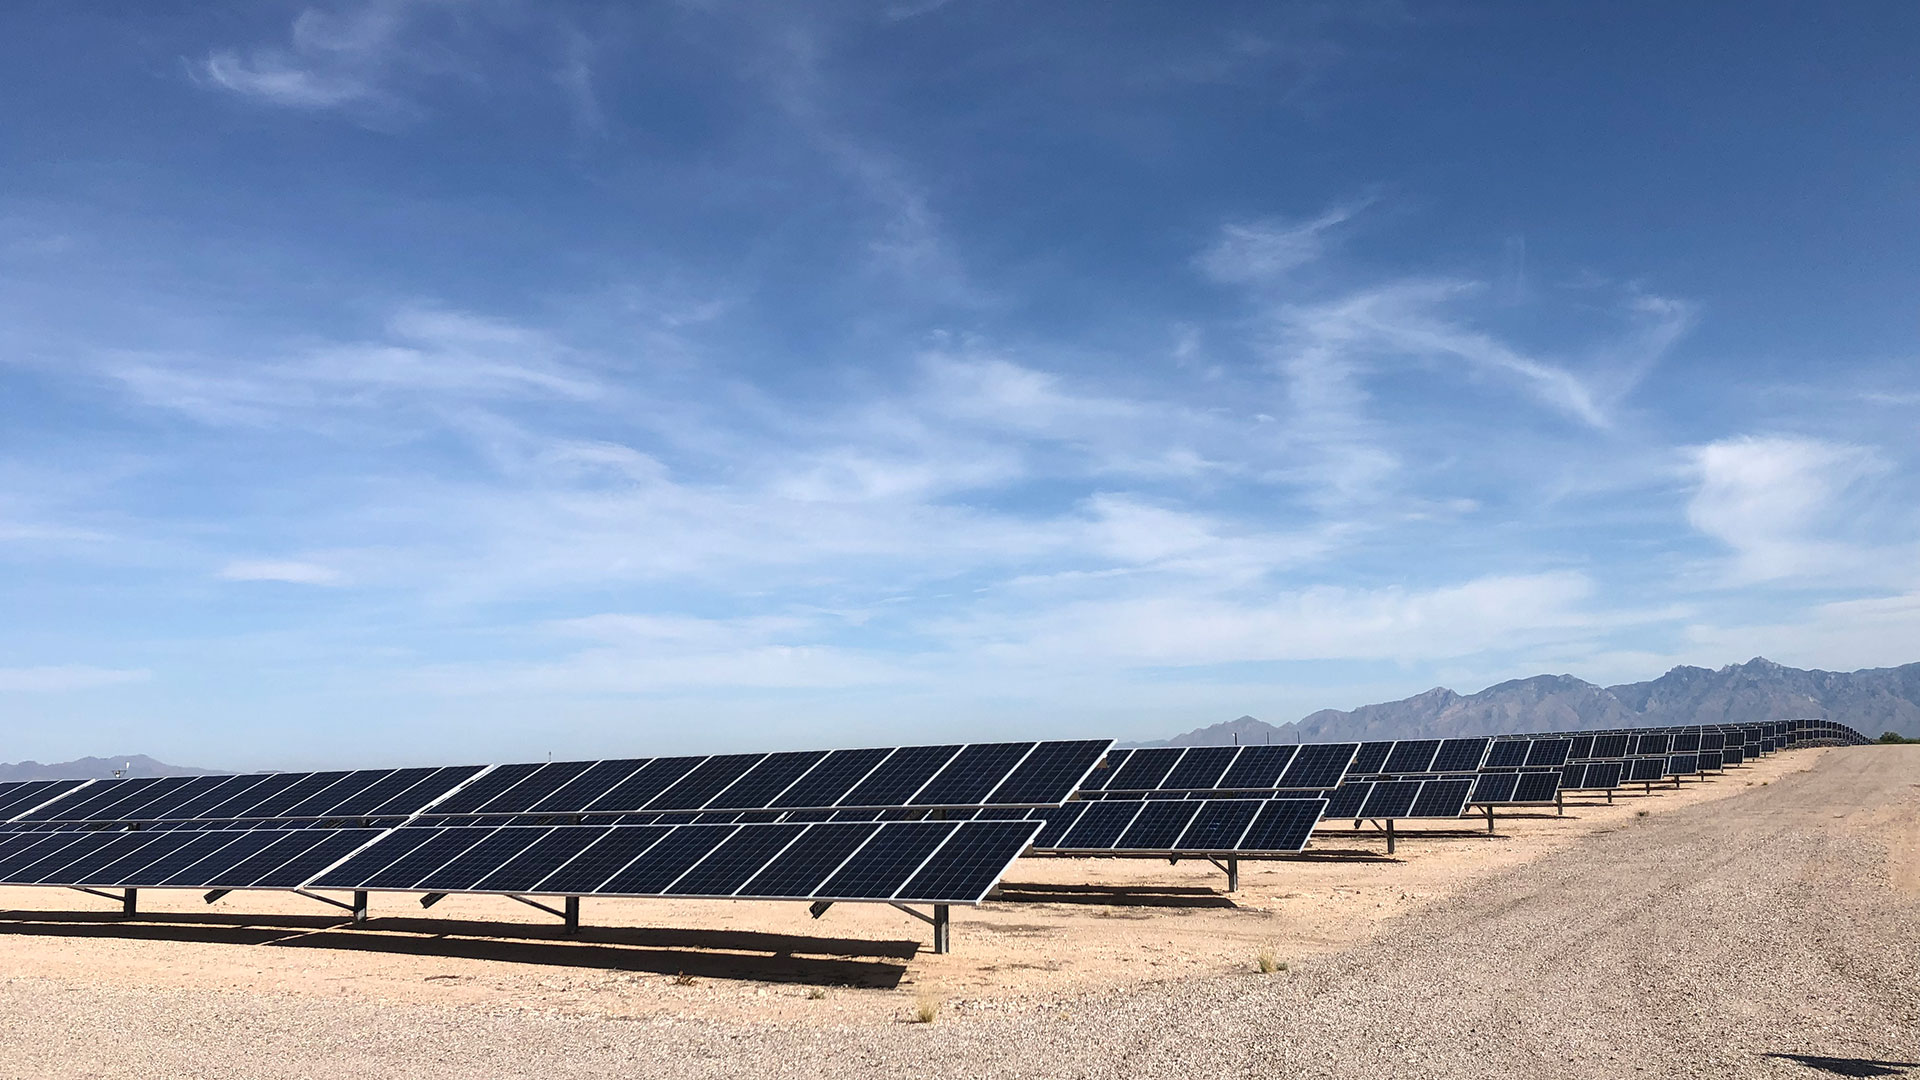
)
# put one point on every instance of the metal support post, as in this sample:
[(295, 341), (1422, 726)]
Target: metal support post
[(1560, 803), (128, 901), (1233, 873), (360, 906), (1489, 809), (1609, 796), (573, 915), (1389, 836), (942, 930)]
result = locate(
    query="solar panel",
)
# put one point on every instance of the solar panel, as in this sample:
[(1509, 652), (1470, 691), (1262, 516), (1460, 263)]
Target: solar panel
[(1101, 776), (1100, 825), (1201, 768), (1495, 787), (1057, 821), (1390, 799), (1257, 768), (972, 775), (1537, 787), (901, 776), (1548, 752), (613, 851), (1144, 769), (1318, 765), (1370, 758), (252, 856), (969, 864), (1283, 825), (639, 788), (799, 870), (538, 786), (828, 782), (1222, 826), (885, 862), (1050, 773), (1646, 770), (722, 871), (1508, 754), (1442, 798), (1158, 824), (1609, 746), (766, 781), (20, 796), (1413, 756), (1219, 824), (1603, 775), (710, 778), (1346, 800)]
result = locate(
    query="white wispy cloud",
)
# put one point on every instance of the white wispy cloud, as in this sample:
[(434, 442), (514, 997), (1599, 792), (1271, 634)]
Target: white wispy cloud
[(654, 654), (1264, 251), (66, 678), (1774, 501), (331, 59), (1156, 625), (292, 572), (1405, 319), (428, 355)]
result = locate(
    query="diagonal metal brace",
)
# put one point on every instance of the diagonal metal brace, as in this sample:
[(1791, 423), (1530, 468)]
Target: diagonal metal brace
[(115, 897), (928, 919), (534, 904), (341, 904)]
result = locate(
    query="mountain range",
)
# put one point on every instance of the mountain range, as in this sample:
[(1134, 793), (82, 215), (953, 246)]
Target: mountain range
[(1872, 701), (94, 768)]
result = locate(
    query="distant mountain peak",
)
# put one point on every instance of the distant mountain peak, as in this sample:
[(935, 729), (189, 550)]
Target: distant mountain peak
[(1873, 700), (96, 768)]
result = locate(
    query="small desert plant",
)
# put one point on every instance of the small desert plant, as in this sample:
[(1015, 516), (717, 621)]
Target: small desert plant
[(1639, 813), (1267, 964), (925, 1009), (815, 993), (683, 979)]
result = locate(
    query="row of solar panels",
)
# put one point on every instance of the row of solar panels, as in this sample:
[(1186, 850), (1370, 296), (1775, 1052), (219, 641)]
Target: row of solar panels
[(979, 774), (697, 843), (1320, 766), (924, 862)]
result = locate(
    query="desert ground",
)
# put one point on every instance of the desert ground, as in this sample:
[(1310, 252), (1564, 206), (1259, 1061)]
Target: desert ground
[(1762, 923)]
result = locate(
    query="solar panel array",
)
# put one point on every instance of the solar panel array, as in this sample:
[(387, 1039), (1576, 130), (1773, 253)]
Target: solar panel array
[(930, 777), (762, 826), (1178, 827), (1603, 760), (926, 824), (1193, 770)]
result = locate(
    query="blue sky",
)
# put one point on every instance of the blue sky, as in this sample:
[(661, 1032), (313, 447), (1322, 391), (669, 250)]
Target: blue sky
[(409, 380)]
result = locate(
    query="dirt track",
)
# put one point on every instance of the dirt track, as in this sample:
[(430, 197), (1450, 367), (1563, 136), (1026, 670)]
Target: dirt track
[(1784, 920)]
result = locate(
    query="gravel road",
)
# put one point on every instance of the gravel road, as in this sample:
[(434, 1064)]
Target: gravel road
[(1717, 940)]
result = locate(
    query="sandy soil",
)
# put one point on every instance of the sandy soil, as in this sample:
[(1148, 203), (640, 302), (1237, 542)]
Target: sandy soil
[(1651, 896)]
